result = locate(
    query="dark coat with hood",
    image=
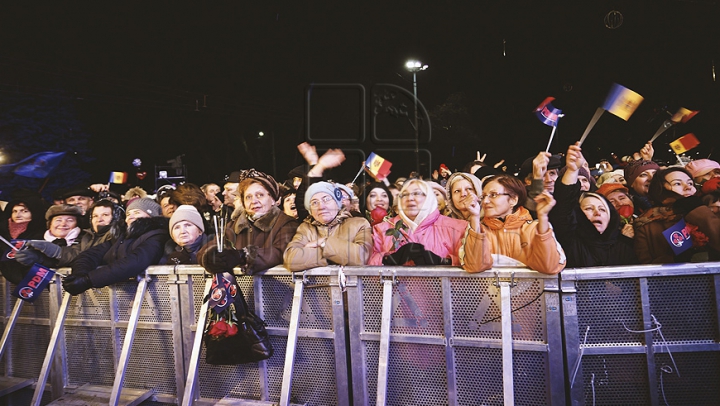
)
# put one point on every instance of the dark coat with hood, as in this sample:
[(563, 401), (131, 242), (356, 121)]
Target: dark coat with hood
[(584, 246), (128, 256)]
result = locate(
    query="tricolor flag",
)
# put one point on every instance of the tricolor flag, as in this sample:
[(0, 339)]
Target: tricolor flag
[(377, 166), (684, 143), (622, 101), (118, 177), (683, 115), (548, 114)]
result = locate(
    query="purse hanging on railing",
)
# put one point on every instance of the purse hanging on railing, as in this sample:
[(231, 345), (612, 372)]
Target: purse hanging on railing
[(233, 335)]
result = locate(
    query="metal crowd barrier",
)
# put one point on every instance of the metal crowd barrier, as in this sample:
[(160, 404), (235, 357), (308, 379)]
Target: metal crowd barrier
[(439, 336), (646, 335), (398, 336)]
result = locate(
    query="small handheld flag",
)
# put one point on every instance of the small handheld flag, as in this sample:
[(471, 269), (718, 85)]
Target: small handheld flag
[(35, 281), (549, 115), (678, 236), (684, 143), (377, 166), (683, 115), (622, 101), (118, 177)]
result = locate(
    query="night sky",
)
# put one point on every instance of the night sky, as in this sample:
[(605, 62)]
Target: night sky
[(155, 80)]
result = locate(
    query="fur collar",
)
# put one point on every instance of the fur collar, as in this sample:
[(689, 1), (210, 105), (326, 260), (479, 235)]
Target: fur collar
[(145, 224), (264, 223)]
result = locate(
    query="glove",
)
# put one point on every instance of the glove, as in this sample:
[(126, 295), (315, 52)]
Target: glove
[(225, 261), (685, 205), (28, 256), (399, 257), (429, 258), (46, 247), (711, 185), (76, 284)]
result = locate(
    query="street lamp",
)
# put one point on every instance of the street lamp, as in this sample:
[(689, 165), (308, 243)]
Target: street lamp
[(415, 67)]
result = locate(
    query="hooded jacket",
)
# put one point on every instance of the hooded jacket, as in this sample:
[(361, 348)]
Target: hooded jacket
[(581, 241), (115, 261)]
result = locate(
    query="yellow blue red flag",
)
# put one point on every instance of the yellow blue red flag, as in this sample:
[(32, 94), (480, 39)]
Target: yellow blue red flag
[(377, 166), (622, 101)]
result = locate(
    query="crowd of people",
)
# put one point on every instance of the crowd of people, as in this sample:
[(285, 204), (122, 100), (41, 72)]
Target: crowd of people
[(556, 212)]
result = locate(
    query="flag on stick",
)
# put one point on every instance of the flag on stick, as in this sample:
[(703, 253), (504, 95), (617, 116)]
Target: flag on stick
[(683, 115), (684, 143), (622, 101), (548, 114), (118, 177), (377, 166)]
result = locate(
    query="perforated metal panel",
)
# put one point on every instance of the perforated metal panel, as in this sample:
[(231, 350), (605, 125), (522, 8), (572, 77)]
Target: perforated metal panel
[(615, 380), (416, 306), (233, 381), (691, 315), (479, 376), (316, 311), (152, 362), (90, 356), (478, 314), (156, 302), (94, 304), (608, 307), (692, 379), (29, 343)]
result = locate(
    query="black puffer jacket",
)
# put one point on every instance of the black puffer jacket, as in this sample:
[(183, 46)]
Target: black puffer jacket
[(116, 261), (11, 269), (583, 244)]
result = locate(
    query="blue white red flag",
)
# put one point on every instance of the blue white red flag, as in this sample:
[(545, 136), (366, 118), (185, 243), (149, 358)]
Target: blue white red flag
[(548, 114)]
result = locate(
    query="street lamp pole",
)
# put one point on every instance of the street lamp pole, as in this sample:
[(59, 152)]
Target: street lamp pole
[(415, 67)]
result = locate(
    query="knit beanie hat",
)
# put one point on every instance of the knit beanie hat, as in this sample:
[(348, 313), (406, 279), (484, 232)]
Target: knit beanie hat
[(700, 167), (147, 205), (376, 185), (581, 172), (188, 213), (62, 210), (247, 177), (636, 168), (323, 187)]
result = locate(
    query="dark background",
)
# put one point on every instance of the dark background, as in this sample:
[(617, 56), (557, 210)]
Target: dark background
[(111, 82)]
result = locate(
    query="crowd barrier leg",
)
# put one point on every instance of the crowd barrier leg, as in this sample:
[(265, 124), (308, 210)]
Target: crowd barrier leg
[(507, 346), (115, 395), (10, 324), (192, 377), (384, 341), (291, 343), (57, 334)]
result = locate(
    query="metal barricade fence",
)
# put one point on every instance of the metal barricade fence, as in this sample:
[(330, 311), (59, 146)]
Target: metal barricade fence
[(441, 336), (645, 335)]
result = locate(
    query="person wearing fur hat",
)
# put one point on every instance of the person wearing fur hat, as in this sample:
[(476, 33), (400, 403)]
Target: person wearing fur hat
[(22, 219), (673, 193), (330, 235), (107, 222), (125, 257), (460, 187), (638, 175), (585, 223), (187, 233), (420, 235), (258, 232)]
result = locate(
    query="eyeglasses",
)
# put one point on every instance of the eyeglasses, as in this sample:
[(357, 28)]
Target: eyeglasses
[(416, 194), (314, 204), (492, 195)]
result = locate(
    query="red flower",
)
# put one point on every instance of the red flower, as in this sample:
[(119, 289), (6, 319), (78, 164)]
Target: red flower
[(377, 215), (232, 330), (699, 238), (625, 211)]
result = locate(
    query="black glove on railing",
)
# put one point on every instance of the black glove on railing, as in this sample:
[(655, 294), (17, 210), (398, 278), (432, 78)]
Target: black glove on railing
[(225, 261), (76, 284)]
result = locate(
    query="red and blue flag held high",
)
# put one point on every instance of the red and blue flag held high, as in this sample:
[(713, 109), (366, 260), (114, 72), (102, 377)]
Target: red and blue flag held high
[(548, 114)]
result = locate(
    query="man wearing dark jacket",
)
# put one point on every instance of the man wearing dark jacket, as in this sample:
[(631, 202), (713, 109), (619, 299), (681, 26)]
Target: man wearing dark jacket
[(128, 256)]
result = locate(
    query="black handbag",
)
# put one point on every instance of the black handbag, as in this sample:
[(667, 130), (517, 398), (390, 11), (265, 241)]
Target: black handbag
[(251, 343)]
